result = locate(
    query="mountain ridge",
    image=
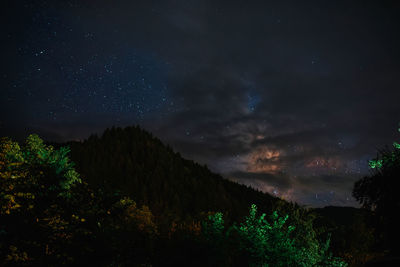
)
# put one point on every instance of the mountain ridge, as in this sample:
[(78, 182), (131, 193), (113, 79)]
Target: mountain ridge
[(133, 161)]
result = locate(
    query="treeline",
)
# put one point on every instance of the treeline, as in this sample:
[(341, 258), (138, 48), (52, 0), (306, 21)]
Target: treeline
[(131, 201), (133, 162), (139, 165), (51, 217)]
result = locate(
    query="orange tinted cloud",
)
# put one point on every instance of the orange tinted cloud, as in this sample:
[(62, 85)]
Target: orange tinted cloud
[(324, 163), (263, 159)]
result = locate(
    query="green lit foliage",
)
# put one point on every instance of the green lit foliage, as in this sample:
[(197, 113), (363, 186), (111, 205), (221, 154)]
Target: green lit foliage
[(266, 243), (386, 158), (32, 173), (379, 193), (213, 228), (50, 217), (36, 183), (216, 240), (257, 242), (376, 163), (38, 160), (378, 190), (396, 145), (36, 153)]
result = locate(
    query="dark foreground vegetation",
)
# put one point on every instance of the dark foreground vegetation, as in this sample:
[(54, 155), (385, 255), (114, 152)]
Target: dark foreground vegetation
[(132, 201)]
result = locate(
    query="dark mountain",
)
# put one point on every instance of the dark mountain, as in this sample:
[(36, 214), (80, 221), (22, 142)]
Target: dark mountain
[(132, 162), (343, 216), (180, 193), (352, 233), (135, 163)]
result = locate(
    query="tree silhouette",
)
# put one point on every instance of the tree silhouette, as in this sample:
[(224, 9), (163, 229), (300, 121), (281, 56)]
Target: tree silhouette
[(258, 242), (379, 193), (36, 202), (51, 214)]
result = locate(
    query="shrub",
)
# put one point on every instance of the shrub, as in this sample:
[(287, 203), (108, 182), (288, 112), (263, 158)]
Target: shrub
[(257, 242)]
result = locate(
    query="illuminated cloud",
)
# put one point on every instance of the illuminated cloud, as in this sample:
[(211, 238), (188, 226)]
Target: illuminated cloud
[(239, 93), (324, 163), (264, 160)]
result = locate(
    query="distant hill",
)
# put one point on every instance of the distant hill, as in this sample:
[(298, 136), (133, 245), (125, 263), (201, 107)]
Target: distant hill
[(50, 217), (137, 164), (132, 162), (343, 216), (353, 235)]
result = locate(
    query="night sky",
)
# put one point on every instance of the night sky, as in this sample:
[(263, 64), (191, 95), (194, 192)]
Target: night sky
[(290, 97)]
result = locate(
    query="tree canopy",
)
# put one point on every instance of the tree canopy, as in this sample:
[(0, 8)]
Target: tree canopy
[(51, 215), (379, 193)]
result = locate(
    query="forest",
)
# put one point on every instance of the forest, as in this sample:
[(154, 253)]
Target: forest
[(126, 199)]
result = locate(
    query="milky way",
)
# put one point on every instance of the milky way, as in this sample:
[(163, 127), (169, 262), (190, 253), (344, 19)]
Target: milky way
[(290, 98)]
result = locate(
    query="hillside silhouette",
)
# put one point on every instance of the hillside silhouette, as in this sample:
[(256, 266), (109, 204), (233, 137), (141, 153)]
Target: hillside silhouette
[(126, 199), (134, 162)]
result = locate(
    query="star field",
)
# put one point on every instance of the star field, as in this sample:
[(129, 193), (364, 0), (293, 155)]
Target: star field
[(65, 63), (292, 99)]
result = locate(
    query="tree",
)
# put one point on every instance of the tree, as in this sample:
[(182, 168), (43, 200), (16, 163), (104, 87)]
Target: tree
[(379, 193), (48, 216), (37, 202), (257, 242)]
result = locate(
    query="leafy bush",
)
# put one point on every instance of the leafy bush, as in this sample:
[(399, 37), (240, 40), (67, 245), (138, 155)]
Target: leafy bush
[(379, 194), (262, 243), (37, 210), (48, 216)]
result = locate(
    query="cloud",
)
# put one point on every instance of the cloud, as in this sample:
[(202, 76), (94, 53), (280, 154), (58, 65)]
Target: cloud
[(319, 190), (285, 97)]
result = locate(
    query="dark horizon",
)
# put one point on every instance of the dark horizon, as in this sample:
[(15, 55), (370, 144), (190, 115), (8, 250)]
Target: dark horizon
[(290, 98)]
